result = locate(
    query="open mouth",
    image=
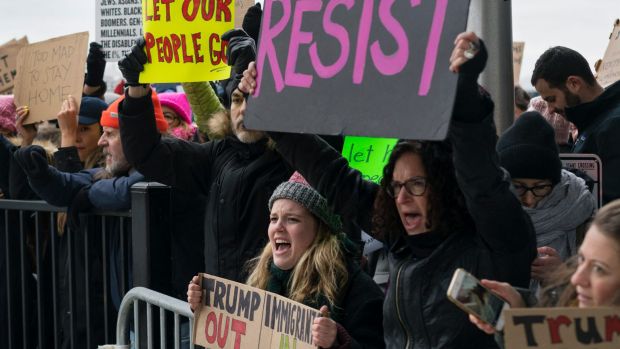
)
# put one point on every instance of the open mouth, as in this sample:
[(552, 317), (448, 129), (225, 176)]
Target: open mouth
[(282, 245), (412, 220)]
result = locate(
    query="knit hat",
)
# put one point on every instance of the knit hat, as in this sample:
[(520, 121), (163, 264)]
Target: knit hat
[(90, 110), (309, 198), (527, 149), (7, 113), (178, 102), (109, 118)]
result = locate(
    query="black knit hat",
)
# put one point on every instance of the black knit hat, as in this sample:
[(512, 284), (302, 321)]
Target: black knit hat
[(527, 149), (309, 198)]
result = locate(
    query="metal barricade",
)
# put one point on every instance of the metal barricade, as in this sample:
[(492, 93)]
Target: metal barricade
[(33, 273), (165, 303)]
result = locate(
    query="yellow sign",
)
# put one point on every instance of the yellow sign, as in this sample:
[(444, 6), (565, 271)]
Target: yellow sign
[(183, 41)]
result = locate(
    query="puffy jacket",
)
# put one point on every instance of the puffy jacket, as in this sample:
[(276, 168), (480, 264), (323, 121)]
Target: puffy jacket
[(237, 179), (598, 123)]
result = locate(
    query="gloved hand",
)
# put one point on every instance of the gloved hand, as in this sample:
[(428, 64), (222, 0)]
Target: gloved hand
[(80, 204), (241, 49), (251, 21), (33, 160), (133, 63), (95, 65)]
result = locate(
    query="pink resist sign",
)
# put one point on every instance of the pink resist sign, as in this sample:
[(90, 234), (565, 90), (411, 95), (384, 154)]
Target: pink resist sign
[(367, 50)]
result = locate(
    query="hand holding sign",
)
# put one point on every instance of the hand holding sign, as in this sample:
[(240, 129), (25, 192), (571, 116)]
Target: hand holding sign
[(27, 132), (194, 293), (324, 330)]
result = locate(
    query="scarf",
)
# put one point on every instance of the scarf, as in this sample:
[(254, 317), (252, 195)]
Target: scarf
[(557, 216)]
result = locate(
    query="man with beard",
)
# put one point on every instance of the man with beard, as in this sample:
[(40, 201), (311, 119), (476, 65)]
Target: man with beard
[(564, 80), (237, 174)]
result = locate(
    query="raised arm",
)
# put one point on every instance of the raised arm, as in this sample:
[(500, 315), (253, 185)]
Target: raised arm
[(500, 221)]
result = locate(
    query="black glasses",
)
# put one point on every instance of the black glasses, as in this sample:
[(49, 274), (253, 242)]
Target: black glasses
[(415, 186), (540, 190)]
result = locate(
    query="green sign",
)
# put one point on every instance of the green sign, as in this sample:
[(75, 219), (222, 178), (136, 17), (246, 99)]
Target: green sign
[(368, 155)]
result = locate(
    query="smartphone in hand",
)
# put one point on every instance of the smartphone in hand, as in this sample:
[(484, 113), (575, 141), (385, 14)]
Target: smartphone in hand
[(468, 294)]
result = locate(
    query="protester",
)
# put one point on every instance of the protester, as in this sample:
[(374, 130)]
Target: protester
[(7, 116), (309, 260), (564, 80), (237, 174), (178, 114), (94, 86), (440, 206), (522, 99), (558, 202), (593, 281)]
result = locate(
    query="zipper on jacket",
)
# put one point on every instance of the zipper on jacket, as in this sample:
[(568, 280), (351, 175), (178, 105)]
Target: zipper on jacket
[(402, 323)]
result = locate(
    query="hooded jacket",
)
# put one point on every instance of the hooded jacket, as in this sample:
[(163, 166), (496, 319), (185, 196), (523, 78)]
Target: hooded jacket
[(598, 123), (236, 178)]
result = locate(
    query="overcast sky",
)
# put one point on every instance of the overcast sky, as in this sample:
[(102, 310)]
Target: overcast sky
[(582, 25)]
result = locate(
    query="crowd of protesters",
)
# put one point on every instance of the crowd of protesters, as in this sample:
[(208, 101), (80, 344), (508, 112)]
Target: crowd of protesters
[(284, 212)]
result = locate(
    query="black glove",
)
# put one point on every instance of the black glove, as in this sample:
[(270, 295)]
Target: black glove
[(241, 49), (251, 21), (473, 67), (133, 63), (95, 65), (33, 160), (80, 204)]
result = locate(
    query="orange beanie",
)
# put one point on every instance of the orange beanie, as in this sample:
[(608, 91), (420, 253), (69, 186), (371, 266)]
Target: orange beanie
[(109, 118)]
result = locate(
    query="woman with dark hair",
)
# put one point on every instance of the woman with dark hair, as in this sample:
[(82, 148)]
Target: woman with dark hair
[(440, 206)]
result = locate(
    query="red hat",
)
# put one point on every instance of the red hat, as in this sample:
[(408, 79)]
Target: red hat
[(109, 117)]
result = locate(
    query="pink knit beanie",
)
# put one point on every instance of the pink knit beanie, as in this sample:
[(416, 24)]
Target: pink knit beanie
[(7, 113), (178, 102)]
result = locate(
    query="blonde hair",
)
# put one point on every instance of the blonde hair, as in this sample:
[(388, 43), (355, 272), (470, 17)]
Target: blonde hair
[(321, 270)]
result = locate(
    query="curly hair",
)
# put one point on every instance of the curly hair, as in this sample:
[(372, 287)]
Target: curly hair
[(447, 210)]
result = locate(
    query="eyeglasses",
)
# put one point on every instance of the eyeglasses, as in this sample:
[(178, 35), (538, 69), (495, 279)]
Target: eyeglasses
[(415, 186), (540, 190)]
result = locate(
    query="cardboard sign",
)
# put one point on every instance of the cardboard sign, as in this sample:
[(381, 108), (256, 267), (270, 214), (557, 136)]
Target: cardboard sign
[(517, 58), (183, 39), (48, 71), (241, 7), (119, 25), (364, 68), (368, 155), (561, 328), (8, 63), (235, 315), (609, 70), (592, 166)]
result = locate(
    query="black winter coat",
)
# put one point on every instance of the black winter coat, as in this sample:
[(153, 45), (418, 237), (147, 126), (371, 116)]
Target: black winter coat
[(237, 179), (416, 312), (598, 123)]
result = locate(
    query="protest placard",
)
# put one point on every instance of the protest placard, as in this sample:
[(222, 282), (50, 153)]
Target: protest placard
[(119, 25), (234, 315), (368, 155), (609, 70), (47, 72), (8, 63), (573, 328), (591, 166), (183, 41), (517, 59), (360, 68)]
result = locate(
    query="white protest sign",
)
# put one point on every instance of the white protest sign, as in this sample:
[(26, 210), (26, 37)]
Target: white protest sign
[(562, 328), (591, 165), (119, 25)]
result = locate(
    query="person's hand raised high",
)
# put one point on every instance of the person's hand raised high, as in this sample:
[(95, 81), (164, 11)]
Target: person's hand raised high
[(95, 65), (133, 63)]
